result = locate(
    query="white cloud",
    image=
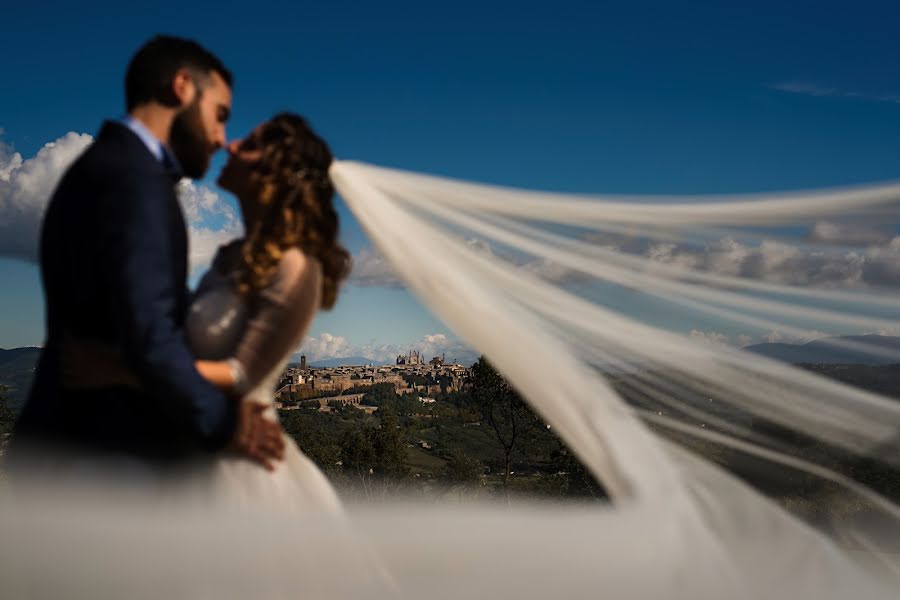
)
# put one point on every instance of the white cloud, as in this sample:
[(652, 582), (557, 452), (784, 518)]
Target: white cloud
[(717, 338), (480, 245), (9, 160), (744, 340), (26, 187), (204, 242), (710, 337), (876, 264), (807, 88), (212, 222), (849, 234), (876, 261), (428, 346), (783, 263), (553, 272), (199, 202), (801, 337), (882, 266), (371, 269), (326, 346), (436, 345)]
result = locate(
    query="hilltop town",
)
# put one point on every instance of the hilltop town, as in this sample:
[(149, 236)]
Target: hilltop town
[(347, 385)]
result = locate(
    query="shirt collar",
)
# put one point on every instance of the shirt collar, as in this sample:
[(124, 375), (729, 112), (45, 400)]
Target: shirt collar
[(151, 141), (159, 150)]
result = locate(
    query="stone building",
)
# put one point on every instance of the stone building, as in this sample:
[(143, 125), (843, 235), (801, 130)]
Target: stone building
[(412, 358)]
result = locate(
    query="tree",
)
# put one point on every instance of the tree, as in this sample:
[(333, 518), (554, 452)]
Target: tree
[(378, 394), (390, 448), (315, 439), (7, 418), (503, 409), (578, 482), (462, 470), (358, 457), (376, 456), (414, 379)]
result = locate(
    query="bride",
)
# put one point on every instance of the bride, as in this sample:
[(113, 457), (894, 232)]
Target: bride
[(255, 304)]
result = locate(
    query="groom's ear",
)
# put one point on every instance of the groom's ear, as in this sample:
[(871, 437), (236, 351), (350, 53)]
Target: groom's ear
[(184, 87)]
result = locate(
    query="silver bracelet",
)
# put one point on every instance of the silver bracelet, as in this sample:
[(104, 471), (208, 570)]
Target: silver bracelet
[(241, 384)]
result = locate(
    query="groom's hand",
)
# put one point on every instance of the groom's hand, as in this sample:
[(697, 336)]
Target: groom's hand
[(257, 437)]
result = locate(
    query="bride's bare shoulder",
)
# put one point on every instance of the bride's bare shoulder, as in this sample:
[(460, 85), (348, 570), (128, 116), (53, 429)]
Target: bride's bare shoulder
[(295, 268), (295, 262)]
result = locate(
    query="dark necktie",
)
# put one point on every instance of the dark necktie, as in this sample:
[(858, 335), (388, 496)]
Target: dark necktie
[(170, 164)]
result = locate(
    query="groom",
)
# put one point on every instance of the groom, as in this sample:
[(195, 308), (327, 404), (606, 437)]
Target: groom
[(116, 378)]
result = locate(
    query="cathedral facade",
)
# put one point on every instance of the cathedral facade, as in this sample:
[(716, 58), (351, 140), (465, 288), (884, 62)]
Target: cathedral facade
[(412, 358)]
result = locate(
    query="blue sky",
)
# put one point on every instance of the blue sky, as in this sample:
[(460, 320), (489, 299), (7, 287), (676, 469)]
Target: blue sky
[(631, 97)]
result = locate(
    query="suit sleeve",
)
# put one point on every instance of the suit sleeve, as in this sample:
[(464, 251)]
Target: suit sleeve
[(141, 242)]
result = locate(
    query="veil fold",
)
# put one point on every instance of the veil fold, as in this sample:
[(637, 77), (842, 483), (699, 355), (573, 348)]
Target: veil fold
[(622, 320), (644, 331)]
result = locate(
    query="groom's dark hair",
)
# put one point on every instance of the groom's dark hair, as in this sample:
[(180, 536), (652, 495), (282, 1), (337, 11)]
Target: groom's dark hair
[(152, 68)]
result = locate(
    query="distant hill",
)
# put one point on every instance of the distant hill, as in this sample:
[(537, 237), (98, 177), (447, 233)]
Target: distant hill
[(827, 350), (17, 370), (17, 358)]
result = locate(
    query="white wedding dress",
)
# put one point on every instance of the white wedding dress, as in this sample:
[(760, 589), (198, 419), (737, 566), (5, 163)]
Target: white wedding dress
[(261, 331)]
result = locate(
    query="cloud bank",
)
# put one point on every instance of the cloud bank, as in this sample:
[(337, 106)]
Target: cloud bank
[(27, 184), (807, 88), (25, 188), (371, 269), (328, 345), (783, 263), (717, 338), (833, 254), (212, 222)]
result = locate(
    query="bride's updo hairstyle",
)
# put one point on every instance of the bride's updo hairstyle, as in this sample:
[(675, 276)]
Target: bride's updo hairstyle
[(296, 208)]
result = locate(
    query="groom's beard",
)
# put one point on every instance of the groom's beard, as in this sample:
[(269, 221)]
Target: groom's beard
[(189, 143)]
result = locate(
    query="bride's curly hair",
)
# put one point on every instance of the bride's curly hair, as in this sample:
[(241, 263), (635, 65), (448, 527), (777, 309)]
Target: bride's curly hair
[(295, 194)]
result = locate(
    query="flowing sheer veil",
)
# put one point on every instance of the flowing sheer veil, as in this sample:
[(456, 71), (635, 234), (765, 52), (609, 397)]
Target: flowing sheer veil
[(582, 303), (621, 321)]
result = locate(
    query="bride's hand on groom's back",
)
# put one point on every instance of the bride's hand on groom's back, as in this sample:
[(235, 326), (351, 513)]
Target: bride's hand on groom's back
[(256, 437)]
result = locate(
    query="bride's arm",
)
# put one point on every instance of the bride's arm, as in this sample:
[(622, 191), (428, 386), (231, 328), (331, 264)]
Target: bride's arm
[(220, 373), (282, 312)]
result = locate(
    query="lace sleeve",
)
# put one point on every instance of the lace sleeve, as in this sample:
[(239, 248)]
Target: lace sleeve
[(281, 314)]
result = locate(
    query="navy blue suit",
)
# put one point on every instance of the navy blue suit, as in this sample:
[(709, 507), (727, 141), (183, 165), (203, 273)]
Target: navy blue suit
[(114, 267)]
